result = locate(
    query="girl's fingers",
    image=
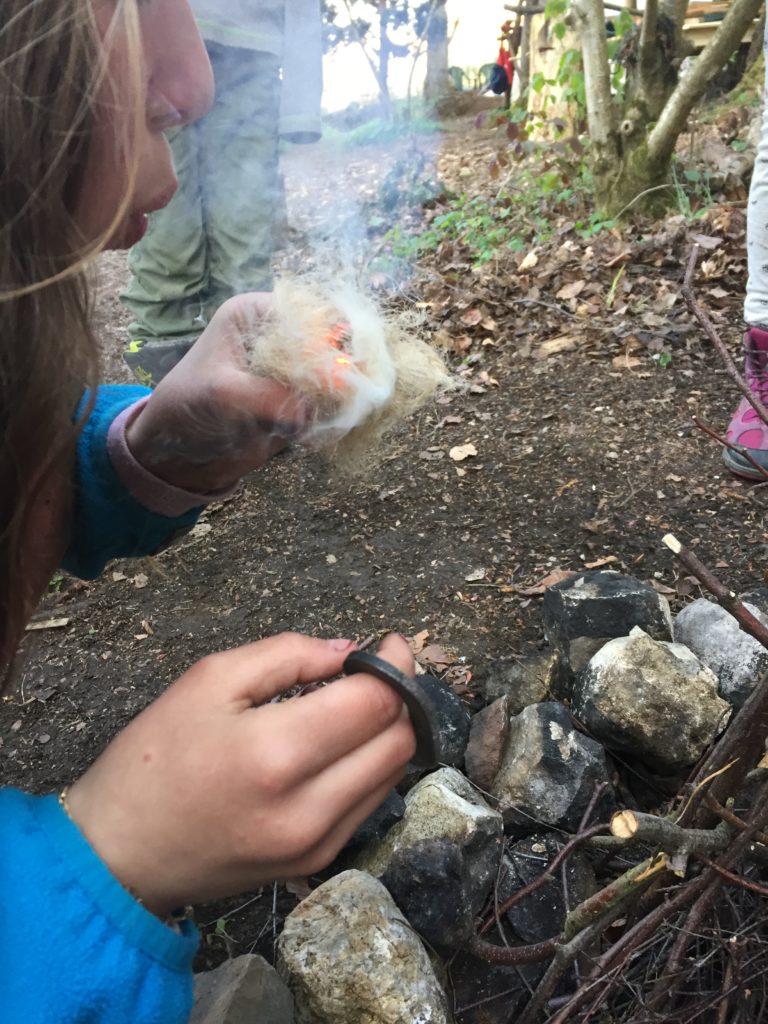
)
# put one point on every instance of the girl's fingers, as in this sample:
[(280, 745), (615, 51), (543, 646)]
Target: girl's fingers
[(333, 794), (257, 672)]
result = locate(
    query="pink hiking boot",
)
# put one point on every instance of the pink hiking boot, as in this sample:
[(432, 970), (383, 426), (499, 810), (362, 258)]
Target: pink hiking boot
[(746, 428)]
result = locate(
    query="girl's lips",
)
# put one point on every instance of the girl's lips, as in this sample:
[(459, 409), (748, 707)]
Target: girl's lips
[(136, 223), (161, 199)]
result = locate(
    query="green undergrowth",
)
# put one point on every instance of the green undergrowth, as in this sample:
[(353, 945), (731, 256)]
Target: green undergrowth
[(489, 226)]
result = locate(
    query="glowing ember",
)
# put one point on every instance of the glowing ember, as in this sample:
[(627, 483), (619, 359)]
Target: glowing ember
[(338, 337)]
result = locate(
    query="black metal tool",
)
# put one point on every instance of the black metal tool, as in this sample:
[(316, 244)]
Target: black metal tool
[(416, 699)]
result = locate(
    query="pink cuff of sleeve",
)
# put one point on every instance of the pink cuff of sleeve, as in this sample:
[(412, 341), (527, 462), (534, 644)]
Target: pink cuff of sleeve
[(149, 490)]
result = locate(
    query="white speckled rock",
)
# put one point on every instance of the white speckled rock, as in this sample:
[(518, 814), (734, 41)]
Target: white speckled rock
[(715, 638), (651, 699), (440, 861), (350, 957), (549, 770)]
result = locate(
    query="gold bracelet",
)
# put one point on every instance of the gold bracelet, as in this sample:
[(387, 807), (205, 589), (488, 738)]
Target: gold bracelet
[(175, 918)]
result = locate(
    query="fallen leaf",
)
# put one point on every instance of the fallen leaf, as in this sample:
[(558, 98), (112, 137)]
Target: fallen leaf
[(557, 576), (298, 887), (565, 487), (529, 262), (571, 290), (662, 588), (118, 577), (601, 561), (472, 318), (626, 362), (47, 624), (462, 452), (140, 581), (331, 559), (562, 343), (418, 641), (475, 576), (435, 657)]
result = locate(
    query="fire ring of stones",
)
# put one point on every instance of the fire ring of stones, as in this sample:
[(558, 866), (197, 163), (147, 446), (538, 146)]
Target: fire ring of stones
[(477, 856)]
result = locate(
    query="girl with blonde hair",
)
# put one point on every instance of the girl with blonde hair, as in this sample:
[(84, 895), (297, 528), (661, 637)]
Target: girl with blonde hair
[(212, 790)]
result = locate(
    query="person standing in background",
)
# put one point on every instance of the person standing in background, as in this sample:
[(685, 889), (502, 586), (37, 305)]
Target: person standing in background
[(216, 237)]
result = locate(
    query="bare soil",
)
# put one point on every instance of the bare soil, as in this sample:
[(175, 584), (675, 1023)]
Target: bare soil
[(584, 458)]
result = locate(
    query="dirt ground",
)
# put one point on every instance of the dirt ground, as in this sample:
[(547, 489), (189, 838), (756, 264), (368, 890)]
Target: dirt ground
[(582, 460)]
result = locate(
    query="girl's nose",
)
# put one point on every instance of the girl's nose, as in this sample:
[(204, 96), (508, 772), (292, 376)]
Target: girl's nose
[(180, 76)]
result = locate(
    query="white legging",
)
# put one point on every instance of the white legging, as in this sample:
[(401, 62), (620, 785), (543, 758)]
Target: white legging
[(756, 301)]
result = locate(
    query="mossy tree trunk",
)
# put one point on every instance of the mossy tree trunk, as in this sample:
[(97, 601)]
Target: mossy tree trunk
[(632, 148)]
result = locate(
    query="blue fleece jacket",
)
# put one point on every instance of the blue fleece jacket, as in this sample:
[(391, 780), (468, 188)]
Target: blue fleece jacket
[(75, 947)]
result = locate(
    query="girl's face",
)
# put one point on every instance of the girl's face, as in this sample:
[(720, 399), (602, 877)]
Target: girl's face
[(175, 86)]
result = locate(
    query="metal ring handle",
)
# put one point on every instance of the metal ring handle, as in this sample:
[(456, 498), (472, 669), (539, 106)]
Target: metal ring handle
[(416, 700)]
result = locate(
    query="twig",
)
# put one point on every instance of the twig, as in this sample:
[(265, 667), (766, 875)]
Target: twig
[(667, 986), (526, 890), (739, 880), (717, 341), (631, 883), (565, 955), (734, 820), (511, 955), (666, 834), (739, 449), (726, 598), (618, 953)]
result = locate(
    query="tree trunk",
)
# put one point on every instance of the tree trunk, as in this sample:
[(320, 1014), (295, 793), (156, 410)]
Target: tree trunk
[(589, 17), (630, 163), (438, 82), (661, 141), (382, 74), (524, 59)]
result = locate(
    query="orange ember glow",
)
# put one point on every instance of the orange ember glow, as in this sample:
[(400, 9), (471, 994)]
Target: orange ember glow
[(337, 337)]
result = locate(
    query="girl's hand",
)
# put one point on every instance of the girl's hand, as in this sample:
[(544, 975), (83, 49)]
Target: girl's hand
[(210, 420), (211, 791)]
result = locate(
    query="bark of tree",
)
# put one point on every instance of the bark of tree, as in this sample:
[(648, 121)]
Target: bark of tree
[(632, 149), (438, 82)]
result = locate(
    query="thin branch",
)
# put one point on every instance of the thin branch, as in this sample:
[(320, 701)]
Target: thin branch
[(733, 819), (648, 42), (739, 880), (526, 890), (717, 341), (739, 449), (726, 598)]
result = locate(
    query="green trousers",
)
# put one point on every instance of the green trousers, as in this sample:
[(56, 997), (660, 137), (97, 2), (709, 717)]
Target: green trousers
[(216, 236)]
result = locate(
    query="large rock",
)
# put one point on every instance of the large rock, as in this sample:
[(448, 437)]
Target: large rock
[(653, 700), (549, 771), (246, 990), (487, 743), (541, 914), (715, 638), (586, 611), (524, 682), (452, 718), (440, 861), (350, 957)]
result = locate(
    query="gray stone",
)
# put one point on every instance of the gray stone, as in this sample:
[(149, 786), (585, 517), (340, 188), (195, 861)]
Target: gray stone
[(586, 611), (541, 914), (524, 682), (653, 700), (453, 720), (448, 830), (376, 825), (715, 638), (487, 742), (350, 957), (549, 771), (246, 990)]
